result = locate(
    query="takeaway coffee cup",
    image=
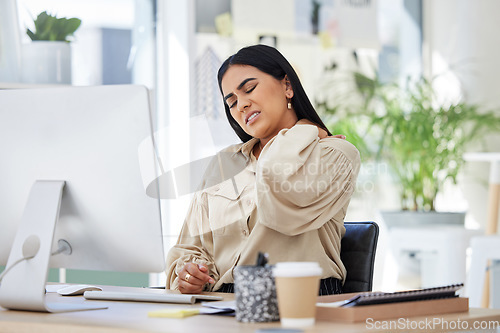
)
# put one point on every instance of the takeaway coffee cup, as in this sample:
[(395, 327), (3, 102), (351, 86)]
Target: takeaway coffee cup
[(255, 294), (297, 286)]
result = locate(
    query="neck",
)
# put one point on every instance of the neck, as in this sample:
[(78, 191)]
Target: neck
[(257, 149), (288, 124), (287, 121)]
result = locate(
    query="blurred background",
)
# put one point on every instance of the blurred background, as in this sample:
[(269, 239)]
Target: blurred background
[(176, 47)]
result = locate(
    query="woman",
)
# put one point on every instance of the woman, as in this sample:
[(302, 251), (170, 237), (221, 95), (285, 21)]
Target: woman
[(290, 197)]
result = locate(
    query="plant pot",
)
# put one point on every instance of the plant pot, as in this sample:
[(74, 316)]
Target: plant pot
[(46, 62), (412, 219)]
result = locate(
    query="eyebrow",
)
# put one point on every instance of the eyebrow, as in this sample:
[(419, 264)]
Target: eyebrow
[(239, 87)]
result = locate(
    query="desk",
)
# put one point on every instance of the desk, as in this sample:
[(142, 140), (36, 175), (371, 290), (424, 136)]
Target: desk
[(133, 317)]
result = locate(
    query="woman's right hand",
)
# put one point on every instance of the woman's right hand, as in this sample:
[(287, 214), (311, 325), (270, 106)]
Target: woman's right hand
[(193, 277)]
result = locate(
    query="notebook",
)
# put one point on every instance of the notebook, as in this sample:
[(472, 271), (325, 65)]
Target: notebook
[(403, 296), (148, 297)]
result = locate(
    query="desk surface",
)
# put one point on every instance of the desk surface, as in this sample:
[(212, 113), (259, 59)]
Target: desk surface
[(133, 317)]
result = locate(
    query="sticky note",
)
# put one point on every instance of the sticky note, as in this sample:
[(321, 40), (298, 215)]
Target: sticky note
[(173, 313)]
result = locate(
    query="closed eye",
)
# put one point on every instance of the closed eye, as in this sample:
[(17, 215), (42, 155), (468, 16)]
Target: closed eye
[(233, 104), (251, 89)]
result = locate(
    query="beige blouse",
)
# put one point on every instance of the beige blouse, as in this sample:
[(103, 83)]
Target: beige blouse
[(290, 203)]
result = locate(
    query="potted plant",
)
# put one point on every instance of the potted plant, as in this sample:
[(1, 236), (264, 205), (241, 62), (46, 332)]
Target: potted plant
[(421, 138), (48, 58)]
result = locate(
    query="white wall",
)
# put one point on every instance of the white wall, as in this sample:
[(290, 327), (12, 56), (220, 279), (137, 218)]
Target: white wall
[(463, 36)]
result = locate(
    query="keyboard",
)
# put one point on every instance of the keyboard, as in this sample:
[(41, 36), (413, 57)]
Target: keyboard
[(148, 297)]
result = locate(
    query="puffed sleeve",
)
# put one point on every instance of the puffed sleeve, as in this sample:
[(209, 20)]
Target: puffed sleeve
[(193, 244), (302, 181)]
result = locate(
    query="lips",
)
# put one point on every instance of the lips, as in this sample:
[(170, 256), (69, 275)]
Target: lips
[(251, 117)]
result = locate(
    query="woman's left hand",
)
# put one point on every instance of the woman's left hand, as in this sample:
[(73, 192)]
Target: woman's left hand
[(339, 136), (193, 277)]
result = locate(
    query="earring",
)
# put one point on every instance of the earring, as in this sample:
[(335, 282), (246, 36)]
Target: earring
[(289, 105)]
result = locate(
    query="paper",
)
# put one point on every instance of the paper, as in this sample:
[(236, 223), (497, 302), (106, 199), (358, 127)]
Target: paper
[(53, 288), (225, 307), (337, 304)]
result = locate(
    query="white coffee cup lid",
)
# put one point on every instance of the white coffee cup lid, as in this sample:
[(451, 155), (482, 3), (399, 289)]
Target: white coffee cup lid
[(297, 269)]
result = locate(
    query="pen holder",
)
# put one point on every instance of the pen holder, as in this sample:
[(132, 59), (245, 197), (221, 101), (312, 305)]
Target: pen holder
[(255, 294)]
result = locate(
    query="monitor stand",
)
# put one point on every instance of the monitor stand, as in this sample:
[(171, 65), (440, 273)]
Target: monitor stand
[(23, 287)]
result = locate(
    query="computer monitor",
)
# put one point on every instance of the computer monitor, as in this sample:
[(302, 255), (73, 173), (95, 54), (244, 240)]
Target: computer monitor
[(84, 140)]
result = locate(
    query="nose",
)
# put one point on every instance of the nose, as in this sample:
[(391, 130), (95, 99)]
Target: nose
[(243, 104)]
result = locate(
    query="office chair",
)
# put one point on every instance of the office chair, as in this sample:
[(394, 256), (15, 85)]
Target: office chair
[(358, 255)]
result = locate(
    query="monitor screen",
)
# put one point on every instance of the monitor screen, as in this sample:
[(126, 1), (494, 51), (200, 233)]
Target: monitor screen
[(88, 137)]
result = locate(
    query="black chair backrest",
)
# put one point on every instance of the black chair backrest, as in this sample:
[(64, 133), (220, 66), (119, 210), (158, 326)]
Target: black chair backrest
[(358, 255)]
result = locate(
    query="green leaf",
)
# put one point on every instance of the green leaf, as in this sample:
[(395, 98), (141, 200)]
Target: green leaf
[(31, 34), (49, 27), (421, 140)]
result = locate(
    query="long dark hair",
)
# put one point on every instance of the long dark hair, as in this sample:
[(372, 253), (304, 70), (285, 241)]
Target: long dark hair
[(269, 60)]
